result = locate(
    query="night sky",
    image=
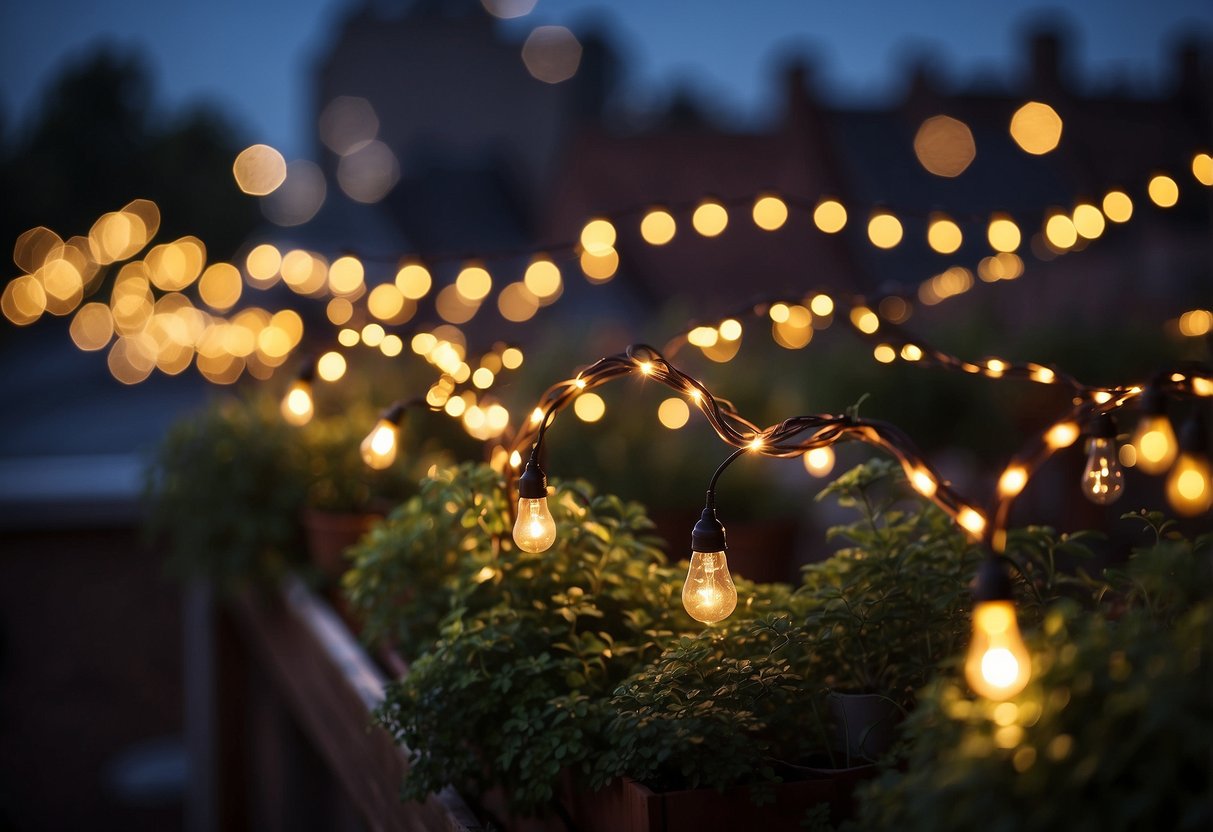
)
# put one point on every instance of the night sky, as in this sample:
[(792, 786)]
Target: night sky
[(253, 57)]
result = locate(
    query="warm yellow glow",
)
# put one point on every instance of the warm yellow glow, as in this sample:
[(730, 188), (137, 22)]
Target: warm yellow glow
[(535, 528), (971, 520), (819, 461), (944, 146), (515, 459), (755, 443), (673, 413), (1103, 480), (551, 54), (372, 335), (1043, 375), (1164, 191), (348, 337), (511, 358), (1202, 386), (455, 406), (770, 213), (943, 235), (220, 286), (339, 311), (658, 227), (710, 218), (795, 330), (1012, 481), (346, 276), (598, 237), (414, 281), (997, 665), (884, 353), (297, 407), (1059, 231), (923, 482), (473, 283), (709, 594), (1189, 491), (1155, 443), (589, 407), (830, 216), (1036, 128), (730, 329), (482, 378), (822, 305), (453, 308), (517, 303), (304, 273), (259, 170), (865, 320), (599, 269), (380, 445), (1195, 323), (779, 312), (1117, 206), (92, 327), (995, 367), (703, 336), (542, 279), (1128, 455), (1061, 435), (1088, 221), (331, 366), (1202, 168), (911, 352), (263, 263), (884, 230), (385, 302)]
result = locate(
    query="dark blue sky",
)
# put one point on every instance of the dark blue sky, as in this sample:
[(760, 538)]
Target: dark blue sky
[(253, 57)]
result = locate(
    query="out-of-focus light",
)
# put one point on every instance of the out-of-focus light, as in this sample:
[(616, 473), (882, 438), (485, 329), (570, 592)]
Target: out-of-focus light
[(1202, 168), (1003, 233), (599, 269), (944, 235), (1088, 221), (34, 247), (385, 302), (770, 213), (331, 366), (1195, 323), (710, 218), (1036, 128), (259, 170), (220, 286), (348, 123), (895, 309), (1012, 481), (589, 407), (508, 9), (819, 461), (1117, 206), (911, 352), (884, 230), (830, 216), (482, 378), (473, 283), (944, 146), (1163, 190), (822, 305), (348, 337), (414, 281), (92, 327), (392, 345), (551, 54), (339, 311), (598, 237), (369, 173), (884, 353), (543, 280), (117, 236), (1060, 233), (673, 413), (865, 320), (372, 335), (511, 358), (347, 276), (1061, 435), (730, 329), (658, 227), (972, 521), (297, 199), (795, 331), (304, 273), (174, 266), (517, 303), (453, 308)]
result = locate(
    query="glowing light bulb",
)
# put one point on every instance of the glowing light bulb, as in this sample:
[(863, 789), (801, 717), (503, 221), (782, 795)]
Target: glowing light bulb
[(1103, 480), (535, 528), (819, 461), (1189, 490), (380, 445), (708, 594), (297, 405), (1155, 443), (998, 665)]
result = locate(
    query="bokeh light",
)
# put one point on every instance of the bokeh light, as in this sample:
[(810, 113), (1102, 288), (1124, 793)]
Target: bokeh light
[(259, 170), (944, 146), (542, 279), (658, 227), (1117, 206), (474, 283), (331, 366), (884, 230), (551, 54), (710, 218), (414, 281), (943, 235), (1036, 128), (598, 237), (673, 413), (770, 213), (589, 407), (220, 286), (1164, 191), (368, 173), (517, 303)]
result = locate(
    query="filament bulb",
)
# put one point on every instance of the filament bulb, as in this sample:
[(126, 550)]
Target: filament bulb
[(1103, 480), (708, 594), (998, 665), (1189, 490), (379, 446), (297, 405), (1155, 443), (535, 528)]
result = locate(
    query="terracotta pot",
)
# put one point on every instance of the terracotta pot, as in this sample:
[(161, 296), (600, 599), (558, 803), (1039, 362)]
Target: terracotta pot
[(329, 534), (865, 724)]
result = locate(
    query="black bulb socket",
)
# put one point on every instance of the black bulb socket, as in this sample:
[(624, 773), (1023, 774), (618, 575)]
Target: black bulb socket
[(307, 371), (992, 582), (533, 484), (1102, 426), (394, 414), (708, 534), (1153, 402)]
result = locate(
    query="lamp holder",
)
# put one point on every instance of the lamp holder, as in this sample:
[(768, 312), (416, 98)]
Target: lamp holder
[(532, 483), (992, 583), (708, 534)]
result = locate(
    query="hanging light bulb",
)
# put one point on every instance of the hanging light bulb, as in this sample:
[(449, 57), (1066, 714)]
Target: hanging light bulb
[(297, 405), (380, 445), (997, 665), (1154, 438), (535, 528), (709, 594), (1103, 480), (1189, 488)]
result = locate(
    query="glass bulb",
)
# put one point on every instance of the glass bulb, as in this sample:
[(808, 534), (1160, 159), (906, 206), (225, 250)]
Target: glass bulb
[(379, 447), (535, 528), (998, 665), (1155, 443), (297, 406), (1103, 481), (1189, 490), (708, 594)]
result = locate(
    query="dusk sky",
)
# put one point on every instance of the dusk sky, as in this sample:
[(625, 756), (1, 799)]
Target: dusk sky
[(253, 58)]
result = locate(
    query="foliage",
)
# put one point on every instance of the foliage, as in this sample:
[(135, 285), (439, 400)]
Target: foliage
[(1113, 732), (224, 491), (515, 688), (884, 611)]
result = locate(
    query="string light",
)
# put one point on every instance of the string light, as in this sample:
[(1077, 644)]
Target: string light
[(381, 445), (1103, 480), (297, 404), (1154, 438), (997, 665), (1189, 488)]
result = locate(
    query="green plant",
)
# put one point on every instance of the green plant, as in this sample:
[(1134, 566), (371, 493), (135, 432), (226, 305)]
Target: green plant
[(1112, 733), (884, 611), (224, 491), (514, 690)]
